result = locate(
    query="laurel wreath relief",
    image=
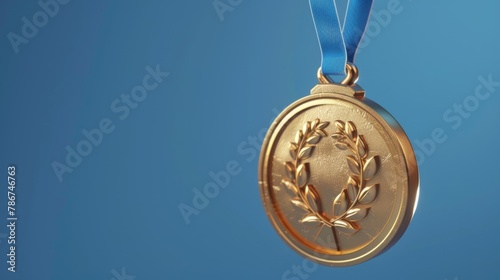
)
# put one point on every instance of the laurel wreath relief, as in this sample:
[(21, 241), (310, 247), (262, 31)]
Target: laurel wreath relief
[(352, 204)]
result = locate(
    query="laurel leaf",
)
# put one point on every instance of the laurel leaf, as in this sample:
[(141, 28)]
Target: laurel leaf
[(361, 145), (292, 153), (340, 204), (340, 125), (353, 164), (352, 188), (322, 125), (312, 197), (341, 145), (305, 152), (293, 146), (290, 185), (310, 218), (315, 124), (368, 194), (299, 136), (321, 132), (299, 203), (290, 170), (302, 175), (337, 136), (356, 214), (370, 168), (307, 128), (346, 227), (313, 139), (351, 130)]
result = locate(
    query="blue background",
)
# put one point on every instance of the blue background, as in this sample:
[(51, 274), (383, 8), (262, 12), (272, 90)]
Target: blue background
[(120, 207)]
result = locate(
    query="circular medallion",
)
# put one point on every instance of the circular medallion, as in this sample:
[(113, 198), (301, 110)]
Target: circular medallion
[(338, 178)]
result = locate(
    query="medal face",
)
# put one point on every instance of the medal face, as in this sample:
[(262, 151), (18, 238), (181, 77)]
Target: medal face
[(338, 177)]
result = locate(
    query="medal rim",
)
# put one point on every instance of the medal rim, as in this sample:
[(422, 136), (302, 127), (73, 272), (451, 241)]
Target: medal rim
[(409, 196)]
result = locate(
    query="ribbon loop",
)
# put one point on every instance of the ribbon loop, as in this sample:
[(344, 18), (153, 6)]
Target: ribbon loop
[(339, 45)]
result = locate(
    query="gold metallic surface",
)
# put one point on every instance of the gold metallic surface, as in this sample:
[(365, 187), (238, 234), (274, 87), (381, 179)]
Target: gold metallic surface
[(338, 177)]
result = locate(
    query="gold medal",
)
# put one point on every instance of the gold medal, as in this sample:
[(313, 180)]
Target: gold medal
[(337, 175)]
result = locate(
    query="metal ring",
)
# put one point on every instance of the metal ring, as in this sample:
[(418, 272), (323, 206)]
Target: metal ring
[(351, 77)]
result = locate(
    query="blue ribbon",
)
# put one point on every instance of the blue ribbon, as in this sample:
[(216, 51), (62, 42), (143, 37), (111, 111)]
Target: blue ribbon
[(339, 46)]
